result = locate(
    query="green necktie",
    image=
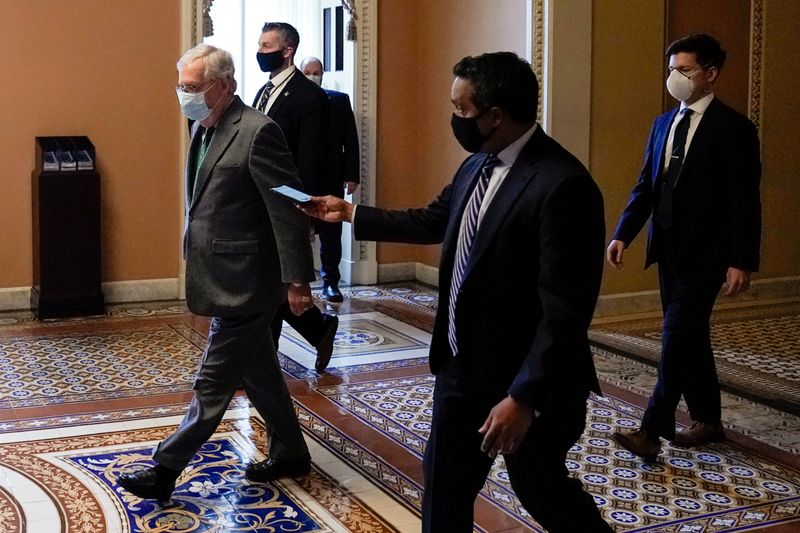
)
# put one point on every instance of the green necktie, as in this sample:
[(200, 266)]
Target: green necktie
[(201, 154)]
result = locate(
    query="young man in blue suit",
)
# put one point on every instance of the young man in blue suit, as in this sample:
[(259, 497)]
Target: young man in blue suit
[(512, 374), (343, 177), (700, 186)]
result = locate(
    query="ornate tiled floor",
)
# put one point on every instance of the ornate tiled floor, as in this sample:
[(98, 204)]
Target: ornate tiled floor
[(757, 349), (83, 399)]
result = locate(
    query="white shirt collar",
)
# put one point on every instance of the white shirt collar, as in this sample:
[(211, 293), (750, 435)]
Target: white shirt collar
[(700, 106), (510, 153), (284, 75)]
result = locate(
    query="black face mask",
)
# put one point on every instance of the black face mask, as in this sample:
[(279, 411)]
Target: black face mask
[(269, 61), (467, 133)]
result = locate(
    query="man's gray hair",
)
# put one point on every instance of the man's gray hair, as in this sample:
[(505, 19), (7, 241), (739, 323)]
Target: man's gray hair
[(219, 63), (310, 59)]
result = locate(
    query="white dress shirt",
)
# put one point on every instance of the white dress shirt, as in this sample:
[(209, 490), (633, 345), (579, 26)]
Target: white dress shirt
[(279, 81), (698, 108)]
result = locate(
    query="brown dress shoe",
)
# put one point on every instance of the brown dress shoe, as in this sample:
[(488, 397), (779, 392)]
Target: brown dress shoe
[(639, 442), (699, 434), (325, 345)]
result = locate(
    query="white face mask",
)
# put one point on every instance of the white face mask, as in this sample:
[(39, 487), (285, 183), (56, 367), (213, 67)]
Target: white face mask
[(194, 105), (316, 79), (680, 85)]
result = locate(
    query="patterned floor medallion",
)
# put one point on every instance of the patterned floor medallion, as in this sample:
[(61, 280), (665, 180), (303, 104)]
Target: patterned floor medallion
[(73, 482), (720, 488), (364, 342)]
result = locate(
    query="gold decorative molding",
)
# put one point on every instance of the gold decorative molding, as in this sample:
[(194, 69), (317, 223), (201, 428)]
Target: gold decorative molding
[(366, 107), (352, 26), (537, 52), (756, 54)]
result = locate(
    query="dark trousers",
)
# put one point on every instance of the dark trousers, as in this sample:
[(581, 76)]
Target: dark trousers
[(456, 469), (239, 353), (310, 324), (330, 250), (686, 367)]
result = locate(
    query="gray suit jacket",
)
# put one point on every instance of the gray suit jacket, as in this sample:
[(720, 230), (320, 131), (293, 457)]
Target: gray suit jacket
[(242, 242)]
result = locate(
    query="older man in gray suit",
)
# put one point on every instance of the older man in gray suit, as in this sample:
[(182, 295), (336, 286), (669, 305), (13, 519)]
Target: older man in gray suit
[(244, 247)]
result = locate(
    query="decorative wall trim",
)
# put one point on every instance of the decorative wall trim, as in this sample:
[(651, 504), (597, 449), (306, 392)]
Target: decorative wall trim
[(366, 110), (761, 290), (391, 272), (536, 44), (142, 290), (615, 305), (14, 298), (756, 54), (410, 271)]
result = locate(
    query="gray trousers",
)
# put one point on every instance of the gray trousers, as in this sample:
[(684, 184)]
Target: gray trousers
[(239, 353)]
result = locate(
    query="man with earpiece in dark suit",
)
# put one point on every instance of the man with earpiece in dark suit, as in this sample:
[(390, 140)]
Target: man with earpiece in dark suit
[(700, 187), (301, 109), (343, 177), (512, 373)]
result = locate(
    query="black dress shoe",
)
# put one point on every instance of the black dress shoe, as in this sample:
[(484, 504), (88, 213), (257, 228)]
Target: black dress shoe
[(332, 293), (271, 469), (147, 484), (325, 345)]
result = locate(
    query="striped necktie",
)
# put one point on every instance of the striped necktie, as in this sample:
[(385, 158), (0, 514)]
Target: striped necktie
[(465, 240), (262, 103)]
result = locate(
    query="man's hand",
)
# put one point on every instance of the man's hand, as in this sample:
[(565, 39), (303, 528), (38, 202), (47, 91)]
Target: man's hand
[(328, 208), (300, 298), (614, 254), (350, 187), (505, 427), (737, 281)]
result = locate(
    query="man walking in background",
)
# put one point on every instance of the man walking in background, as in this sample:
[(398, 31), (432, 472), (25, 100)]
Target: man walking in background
[(300, 107), (700, 186), (343, 177)]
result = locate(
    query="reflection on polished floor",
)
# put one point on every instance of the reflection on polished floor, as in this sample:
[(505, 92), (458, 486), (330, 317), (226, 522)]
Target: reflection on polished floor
[(82, 400)]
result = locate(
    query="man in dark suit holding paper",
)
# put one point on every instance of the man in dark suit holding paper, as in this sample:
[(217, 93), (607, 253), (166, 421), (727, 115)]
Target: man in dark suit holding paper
[(246, 251), (512, 374), (700, 187)]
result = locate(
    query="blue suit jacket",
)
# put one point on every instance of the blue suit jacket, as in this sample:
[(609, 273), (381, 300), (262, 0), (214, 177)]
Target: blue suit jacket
[(533, 277), (716, 203)]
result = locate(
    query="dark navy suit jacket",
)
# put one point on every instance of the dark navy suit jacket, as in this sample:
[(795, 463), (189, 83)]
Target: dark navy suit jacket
[(716, 204), (345, 164), (533, 278)]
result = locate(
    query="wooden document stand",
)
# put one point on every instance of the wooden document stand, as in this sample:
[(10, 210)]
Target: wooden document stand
[(66, 231)]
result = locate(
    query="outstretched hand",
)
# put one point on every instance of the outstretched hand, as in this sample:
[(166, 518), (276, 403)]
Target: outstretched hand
[(328, 208)]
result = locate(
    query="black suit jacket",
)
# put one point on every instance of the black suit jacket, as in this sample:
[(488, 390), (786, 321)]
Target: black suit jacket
[(302, 111), (344, 161), (530, 289), (717, 210)]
